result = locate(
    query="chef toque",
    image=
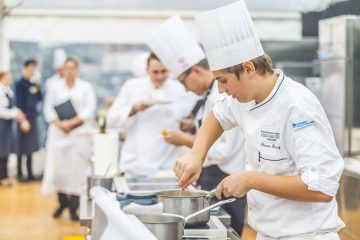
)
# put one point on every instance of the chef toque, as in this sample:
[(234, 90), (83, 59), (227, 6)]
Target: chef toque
[(175, 46), (228, 36), (59, 58)]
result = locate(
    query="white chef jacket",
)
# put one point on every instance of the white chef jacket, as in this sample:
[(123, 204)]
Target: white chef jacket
[(5, 112), (67, 155), (144, 151), (287, 134), (52, 81), (228, 151)]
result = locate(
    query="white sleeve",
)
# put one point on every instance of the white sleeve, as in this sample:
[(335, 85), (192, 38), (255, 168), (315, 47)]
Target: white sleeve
[(49, 111), (312, 145), (119, 112), (224, 113), (7, 114), (88, 113)]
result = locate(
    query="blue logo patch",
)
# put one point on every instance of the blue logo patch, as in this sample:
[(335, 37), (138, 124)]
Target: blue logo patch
[(302, 124)]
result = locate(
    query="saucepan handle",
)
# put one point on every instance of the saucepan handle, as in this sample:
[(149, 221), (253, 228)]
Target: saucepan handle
[(212, 194)]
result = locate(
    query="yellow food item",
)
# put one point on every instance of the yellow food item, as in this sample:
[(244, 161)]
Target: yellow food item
[(164, 132)]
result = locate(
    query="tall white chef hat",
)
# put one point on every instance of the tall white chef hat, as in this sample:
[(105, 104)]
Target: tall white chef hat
[(59, 58), (228, 36), (175, 46)]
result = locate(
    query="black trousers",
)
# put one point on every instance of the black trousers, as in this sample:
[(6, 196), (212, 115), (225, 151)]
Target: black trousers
[(28, 160), (3, 167), (210, 177)]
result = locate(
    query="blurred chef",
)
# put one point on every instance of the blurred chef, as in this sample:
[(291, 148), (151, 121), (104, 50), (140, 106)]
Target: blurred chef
[(28, 95), (293, 165), (144, 152), (181, 54), (70, 139), (58, 65), (8, 113)]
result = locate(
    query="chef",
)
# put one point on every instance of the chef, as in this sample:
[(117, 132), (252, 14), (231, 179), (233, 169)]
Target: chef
[(145, 152), (58, 65), (180, 53), (8, 113), (293, 167), (28, 96), (70, 147)]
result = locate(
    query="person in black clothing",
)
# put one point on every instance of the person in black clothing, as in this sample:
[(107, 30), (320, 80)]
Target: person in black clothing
[(28, 95)]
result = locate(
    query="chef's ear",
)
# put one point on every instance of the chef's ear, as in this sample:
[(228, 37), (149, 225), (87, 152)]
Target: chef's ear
[(249, 68)]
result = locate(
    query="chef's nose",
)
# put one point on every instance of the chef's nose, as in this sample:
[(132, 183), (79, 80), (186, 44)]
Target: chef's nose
[(222, 88)]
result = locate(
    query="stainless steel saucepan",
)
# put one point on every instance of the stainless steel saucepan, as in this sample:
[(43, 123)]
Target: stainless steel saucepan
[(170, 226), (186, 202)]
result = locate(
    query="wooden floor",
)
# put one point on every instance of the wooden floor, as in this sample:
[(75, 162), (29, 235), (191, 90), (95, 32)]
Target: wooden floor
[(25, 214)]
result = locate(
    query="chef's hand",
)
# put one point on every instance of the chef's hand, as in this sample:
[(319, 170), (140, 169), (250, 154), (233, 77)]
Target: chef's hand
[(63, 125), (177, 138), (235, 185), (187, 124), (25, 126), (187, 169), (139, 107)]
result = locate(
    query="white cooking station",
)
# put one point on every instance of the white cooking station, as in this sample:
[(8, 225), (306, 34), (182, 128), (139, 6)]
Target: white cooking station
[(137, 196)]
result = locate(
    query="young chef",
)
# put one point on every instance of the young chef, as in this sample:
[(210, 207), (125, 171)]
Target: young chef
[(145, 153), (182, 55), (293, 165)]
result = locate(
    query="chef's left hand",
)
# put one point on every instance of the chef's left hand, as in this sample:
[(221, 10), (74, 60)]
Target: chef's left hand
[(235, 185), (177, 138)]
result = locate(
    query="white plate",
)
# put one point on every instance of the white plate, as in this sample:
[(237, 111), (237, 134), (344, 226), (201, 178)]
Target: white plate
[(151, 102)]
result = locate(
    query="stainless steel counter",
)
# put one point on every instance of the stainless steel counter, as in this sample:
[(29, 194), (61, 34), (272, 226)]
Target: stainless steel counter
[(349, 199), (87, 214)]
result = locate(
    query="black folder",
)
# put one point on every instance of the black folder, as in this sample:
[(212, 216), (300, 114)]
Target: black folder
[(66, 110)]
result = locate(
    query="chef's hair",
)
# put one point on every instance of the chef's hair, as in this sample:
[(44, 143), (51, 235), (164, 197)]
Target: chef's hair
[(263, 65), (204, 64), (151, 57), (29, 62), (73, 60)]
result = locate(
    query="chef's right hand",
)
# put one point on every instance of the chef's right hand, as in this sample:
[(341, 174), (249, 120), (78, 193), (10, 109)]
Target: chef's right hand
[(187, 169), (139, 107), (63, 125)]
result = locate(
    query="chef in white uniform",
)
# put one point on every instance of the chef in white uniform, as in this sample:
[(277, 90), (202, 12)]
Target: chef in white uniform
[(293, 167), (70, 140), (181, 54), (145, 152)]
